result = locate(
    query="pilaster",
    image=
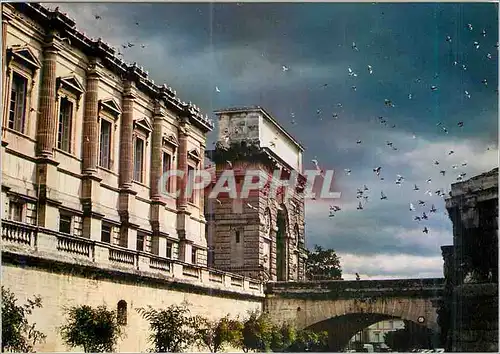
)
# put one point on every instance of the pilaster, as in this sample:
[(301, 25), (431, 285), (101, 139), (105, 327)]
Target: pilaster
[(47, 122), (126, 143), (90, 121)]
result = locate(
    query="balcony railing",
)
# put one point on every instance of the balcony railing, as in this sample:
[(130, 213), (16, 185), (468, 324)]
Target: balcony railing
[(30, 238)]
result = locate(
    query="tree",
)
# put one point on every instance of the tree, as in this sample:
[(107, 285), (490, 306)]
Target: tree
[(17, 334), (282, 337), (323, 264), (257, 333), (309, 341), (95, 329), (216, 334), (173, 329)]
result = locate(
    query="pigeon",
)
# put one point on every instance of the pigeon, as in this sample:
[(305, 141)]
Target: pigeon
[(331, 215), (382, 196), (360, 206), (412, 208), (425, 231), (488, 55), (409, 96), (97, 17), (476, 44), (467, 94), (335, 116), (358, 141), (454, 167), (353, 88), (334, 208), (469, 26), (483, 33), (443, 172), (388, 103), (347, 171), (217, 89), (448, 39), (370, 69), (417, 218), (433, 88), (433, 209), (460, 124), (464, 67), (424, 216), (365, 187), (429, 193), (377, 170), (354, 47), (436, 162), (485, 82), (351, 73), (389, 143), (464, 164), (358, 277), (415, 188), (284, 68), (421, 203), (451, 152)]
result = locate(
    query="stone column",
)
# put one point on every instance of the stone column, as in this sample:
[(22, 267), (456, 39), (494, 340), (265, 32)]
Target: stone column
[(128, 230), (47, 122), (90, 180), (201, 193), (182, 163), (156, 155), (47, 174), (90, 121), (126, 144)]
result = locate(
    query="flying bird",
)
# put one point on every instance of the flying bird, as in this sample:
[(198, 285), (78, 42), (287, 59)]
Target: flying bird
[(360, 206), (347, 171), (415, 188), (358, 277), (217, 89), (425, 231), (382, 196), (284, 68), (412, 208), (433, 209), (370, 70)]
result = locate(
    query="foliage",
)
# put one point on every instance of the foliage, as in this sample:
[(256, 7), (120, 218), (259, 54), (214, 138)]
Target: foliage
[(173, 329), (95, 329), (216, 334), (309, 341), (17, 334), (411, 337), (323, 264), (257, 333), (282, 337)]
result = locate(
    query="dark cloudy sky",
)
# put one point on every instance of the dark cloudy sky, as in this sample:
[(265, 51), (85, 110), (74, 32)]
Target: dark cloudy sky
[(241, 49)]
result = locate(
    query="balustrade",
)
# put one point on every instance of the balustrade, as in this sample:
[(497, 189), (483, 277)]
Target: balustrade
[(18, 233), (51, 242)]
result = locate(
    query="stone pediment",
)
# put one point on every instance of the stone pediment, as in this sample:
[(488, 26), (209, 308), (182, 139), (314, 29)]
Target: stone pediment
[(170, 139), (143, 124), (71, 84), (24, 55), (195, 155), (110, 106)]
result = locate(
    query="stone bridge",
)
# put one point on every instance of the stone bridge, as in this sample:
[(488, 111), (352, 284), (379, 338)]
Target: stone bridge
[(344, 308)]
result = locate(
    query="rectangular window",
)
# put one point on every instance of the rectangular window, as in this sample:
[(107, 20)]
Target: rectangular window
[(169, 249), (64, 130), (166, 164), (193, 255), (106, 233), (105, 144), (237, 237), (190, 180), (16, 211), (17, 108), (140, 242), (65, 224), (138, 159)]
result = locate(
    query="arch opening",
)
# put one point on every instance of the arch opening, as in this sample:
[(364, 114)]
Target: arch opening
[(121, 312), (342, 328)]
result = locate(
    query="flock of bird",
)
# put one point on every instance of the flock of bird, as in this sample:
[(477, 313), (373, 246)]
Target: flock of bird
[(362, 193)]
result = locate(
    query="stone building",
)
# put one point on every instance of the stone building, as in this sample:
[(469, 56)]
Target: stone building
[(258, 234), (86, 138), (470, 308), (85, 218)]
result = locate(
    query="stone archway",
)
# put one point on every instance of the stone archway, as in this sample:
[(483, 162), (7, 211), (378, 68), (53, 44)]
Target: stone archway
[(342, 328)]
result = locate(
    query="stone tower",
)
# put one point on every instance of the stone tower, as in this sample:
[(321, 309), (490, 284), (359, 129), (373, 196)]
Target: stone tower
[(258, 235)]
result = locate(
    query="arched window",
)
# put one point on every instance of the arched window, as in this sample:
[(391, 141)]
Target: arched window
[(122, 312)]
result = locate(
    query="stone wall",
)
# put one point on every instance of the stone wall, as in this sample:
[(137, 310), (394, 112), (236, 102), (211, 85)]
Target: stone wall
[(60, 289), (471, 301)]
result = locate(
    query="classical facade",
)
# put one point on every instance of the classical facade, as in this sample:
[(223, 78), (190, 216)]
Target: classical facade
[(86, 216), (469, 311), (86, 138), (257, 234)]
